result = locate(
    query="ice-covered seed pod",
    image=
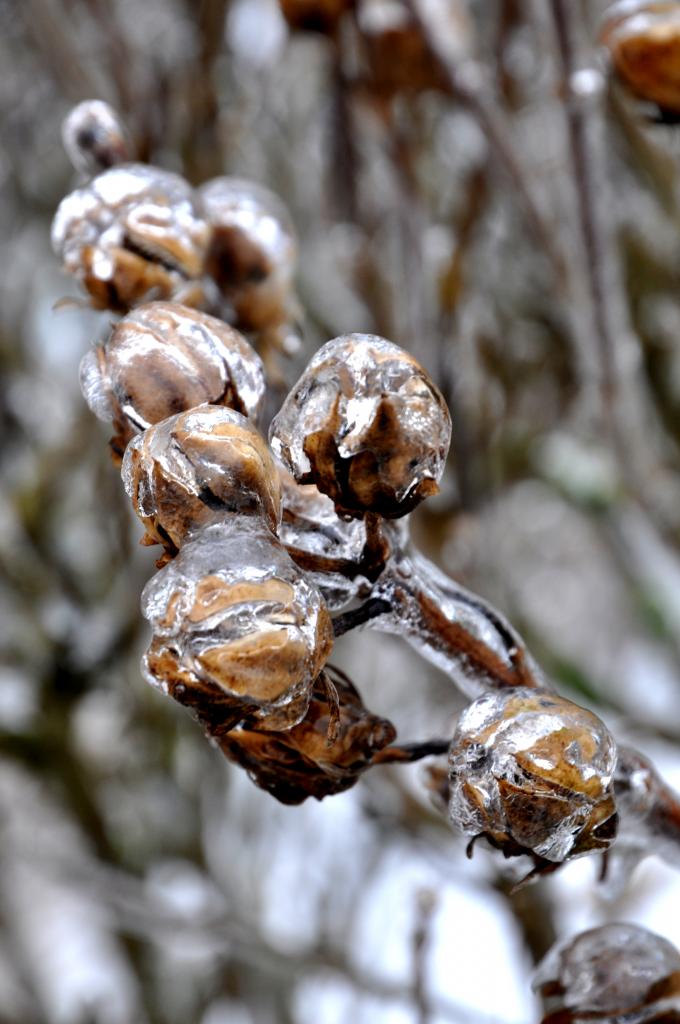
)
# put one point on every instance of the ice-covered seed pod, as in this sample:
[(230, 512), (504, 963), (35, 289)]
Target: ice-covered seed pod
[(94, 137), (642, 39), (398, 56), (133, 233), (532, 773), (237, 628), (252, 253), (192, 469), (165, 358), (315, 15), (618, 973), (367, 425), (301, 762)]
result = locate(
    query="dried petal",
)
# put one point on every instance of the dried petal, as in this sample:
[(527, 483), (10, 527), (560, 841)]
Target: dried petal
[(132, 233), (643, 41), (533, 773), (165, 358), (194, 468), (94, 137), (367, 425), (253, 251), (237, 628), (613, 974), (300, 762)]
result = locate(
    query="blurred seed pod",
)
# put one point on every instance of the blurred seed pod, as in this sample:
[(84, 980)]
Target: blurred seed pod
[(94, 137), (532, 773), (253, 251), (315, 15), (397, 55), (367, 425), (194, 468), (643, 42), (165, 358), (133, 233), (237, 628), (302, 761), (616, 974)]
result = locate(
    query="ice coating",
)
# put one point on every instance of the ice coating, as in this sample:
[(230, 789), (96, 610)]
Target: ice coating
[(301, 762), (237, 628), (164, 358), (643, 42), (253, 250), (134, 232), (192, 469), (533, 773), (454, 629), (365, 424), (616, 973), (316, 537), (94, 137)]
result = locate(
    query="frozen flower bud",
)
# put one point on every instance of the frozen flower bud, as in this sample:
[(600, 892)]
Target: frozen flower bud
[(133, 233), (252, 253), (532, 772), (315, 15), (614, 974), (301, 762), (367, 425), (164, 358), (643, 42), (237, 628), (192, 469), (94, 137)]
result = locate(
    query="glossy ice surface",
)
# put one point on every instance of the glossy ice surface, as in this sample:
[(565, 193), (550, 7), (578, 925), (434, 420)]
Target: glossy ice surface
[(533, 772), (253, 250), (609, 972), (365, 424), (163, 358), (133, 232), (195, 468), (233, 617)]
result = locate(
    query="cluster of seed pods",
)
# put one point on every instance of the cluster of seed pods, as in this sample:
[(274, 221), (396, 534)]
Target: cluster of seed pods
[(269, 553)]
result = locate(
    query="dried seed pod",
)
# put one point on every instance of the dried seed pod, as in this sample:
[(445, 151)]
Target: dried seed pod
[(532, 772), (315, 15), (252, 252), (133, 233), (367, 425), (301, 761), (94, 137), (616, 974), (191, 469), (237, 628), (165, 358), (643, 42)]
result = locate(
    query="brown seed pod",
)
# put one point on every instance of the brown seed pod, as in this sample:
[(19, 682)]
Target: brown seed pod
[(643, 42), (302, 761), (252, 251), (618, 973), (94, 137), (194, 468), (165, 358), (237, 628), (315, 15), (398, 57), (533, 773), (133, 233), (367, 425)]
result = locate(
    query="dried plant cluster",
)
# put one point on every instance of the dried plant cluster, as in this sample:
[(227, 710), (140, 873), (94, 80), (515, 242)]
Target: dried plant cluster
[(286, 517)]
